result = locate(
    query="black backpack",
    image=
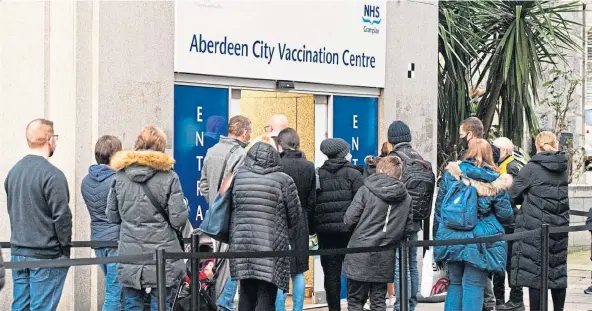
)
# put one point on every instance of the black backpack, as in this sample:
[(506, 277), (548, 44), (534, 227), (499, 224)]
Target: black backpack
[(420, 181)]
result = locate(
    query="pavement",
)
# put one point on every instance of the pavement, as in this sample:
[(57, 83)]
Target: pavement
[(579, 277)]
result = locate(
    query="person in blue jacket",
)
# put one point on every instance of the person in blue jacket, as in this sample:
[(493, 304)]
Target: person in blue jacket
[(469, 265), (95, 189)]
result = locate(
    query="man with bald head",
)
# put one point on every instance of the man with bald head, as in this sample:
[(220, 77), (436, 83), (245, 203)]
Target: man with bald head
[(276, 124), (40, 220)]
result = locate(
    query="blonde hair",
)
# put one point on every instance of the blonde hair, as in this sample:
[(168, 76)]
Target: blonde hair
[(386, 148), (391, 166), (480, 152), (264, 139), (546, 141), (151, 138)]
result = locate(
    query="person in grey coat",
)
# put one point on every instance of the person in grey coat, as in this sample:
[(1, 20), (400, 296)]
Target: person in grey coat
[(266, 208), (143, 228), (221, 160), (381, 215)]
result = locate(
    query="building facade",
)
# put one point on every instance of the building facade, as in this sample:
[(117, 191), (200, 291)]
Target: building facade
[(103, 67)]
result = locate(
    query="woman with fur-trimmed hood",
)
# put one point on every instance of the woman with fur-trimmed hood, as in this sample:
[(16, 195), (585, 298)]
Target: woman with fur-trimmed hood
[(143, 228), (469, 265)]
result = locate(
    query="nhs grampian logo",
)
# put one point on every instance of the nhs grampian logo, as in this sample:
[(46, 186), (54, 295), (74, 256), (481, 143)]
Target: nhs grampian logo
[(371, 19)]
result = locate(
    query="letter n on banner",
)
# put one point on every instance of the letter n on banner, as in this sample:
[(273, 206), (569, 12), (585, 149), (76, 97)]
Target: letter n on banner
[(201, 116), (355, 119)]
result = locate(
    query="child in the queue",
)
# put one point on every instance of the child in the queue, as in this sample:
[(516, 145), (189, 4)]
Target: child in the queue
[(95, 190), (381, 215), (470, 265)]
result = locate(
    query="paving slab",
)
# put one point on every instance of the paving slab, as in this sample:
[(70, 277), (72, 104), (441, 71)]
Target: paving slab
[(579, 278)]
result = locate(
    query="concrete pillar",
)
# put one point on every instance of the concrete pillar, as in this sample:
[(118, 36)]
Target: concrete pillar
[(412, 38)]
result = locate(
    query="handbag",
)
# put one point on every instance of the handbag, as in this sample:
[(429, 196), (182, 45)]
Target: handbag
[(164, 214), (216, 223)]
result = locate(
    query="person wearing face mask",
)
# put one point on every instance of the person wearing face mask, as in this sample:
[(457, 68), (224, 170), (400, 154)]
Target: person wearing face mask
[(510, 166), (470, 131), (221, 160), (40, 220)]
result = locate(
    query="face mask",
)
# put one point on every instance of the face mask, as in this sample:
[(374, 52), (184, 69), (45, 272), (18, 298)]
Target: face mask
[(464, 142), (348, 157)]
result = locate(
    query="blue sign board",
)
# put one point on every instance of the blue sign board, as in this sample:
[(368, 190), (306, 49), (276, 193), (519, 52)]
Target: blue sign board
[(201, 116), (355, 119)]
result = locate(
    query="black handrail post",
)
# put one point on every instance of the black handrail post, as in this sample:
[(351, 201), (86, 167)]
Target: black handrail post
[(544, 267), (403, 274), (161, 278), (194, 273)]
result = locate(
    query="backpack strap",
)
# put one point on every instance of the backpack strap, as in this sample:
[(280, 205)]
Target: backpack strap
[(224, 165)]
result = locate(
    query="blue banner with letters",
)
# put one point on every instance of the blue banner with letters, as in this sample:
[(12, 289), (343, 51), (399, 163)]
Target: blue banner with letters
[(355, 119), (201, 116)]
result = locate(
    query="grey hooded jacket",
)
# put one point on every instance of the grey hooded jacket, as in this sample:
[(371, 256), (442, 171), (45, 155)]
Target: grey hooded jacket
[(143, 228)]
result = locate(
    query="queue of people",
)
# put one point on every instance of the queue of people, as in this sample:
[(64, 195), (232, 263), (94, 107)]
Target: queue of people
[(280, 201)]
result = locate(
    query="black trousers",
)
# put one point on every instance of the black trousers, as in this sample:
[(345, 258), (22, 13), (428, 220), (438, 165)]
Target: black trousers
[(256, 295), (558, 295), (358, 292), (332, 266), (499, 280)]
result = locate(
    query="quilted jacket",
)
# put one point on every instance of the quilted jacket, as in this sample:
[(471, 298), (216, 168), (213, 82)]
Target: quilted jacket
[(265, 209)]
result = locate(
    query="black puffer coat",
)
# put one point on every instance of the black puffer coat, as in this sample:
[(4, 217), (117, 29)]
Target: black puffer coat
[(303, 173), (381, 214), (541, 188), (339, 182), (265, 208)]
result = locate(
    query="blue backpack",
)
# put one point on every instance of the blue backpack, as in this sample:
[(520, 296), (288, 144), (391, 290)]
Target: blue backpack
[(459, 207)]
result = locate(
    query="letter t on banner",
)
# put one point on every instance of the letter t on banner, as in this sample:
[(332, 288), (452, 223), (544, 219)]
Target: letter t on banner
[(355, 119), (201, 116)]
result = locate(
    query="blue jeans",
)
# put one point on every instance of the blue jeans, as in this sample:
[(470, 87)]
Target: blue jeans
[(37, 289), (465, 290), (133, 299), (226, 299), (298, 286), (112, 287), (412, 280)]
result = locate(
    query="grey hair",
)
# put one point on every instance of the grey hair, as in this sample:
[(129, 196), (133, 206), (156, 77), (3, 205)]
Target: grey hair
[(504, 143)]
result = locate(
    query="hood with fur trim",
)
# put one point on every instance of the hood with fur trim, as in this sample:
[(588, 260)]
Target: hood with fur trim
[(485, 180), (141, 165)]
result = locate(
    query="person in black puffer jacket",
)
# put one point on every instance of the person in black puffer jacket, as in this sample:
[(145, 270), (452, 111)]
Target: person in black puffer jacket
[(542, 189), (266, 209), (339, 181), (95, 190), (302, 171)]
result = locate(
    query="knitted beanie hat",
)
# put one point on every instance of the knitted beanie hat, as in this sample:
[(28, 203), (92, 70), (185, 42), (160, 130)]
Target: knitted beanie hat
[(398, 132), (335, 148)]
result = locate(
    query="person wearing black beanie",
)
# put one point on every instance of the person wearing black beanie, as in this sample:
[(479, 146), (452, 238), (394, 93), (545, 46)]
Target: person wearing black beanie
[(399, 136)]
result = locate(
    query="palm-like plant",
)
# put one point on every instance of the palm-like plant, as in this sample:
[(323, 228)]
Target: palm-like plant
[(503, 43), (521, 36), (457, 44)]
